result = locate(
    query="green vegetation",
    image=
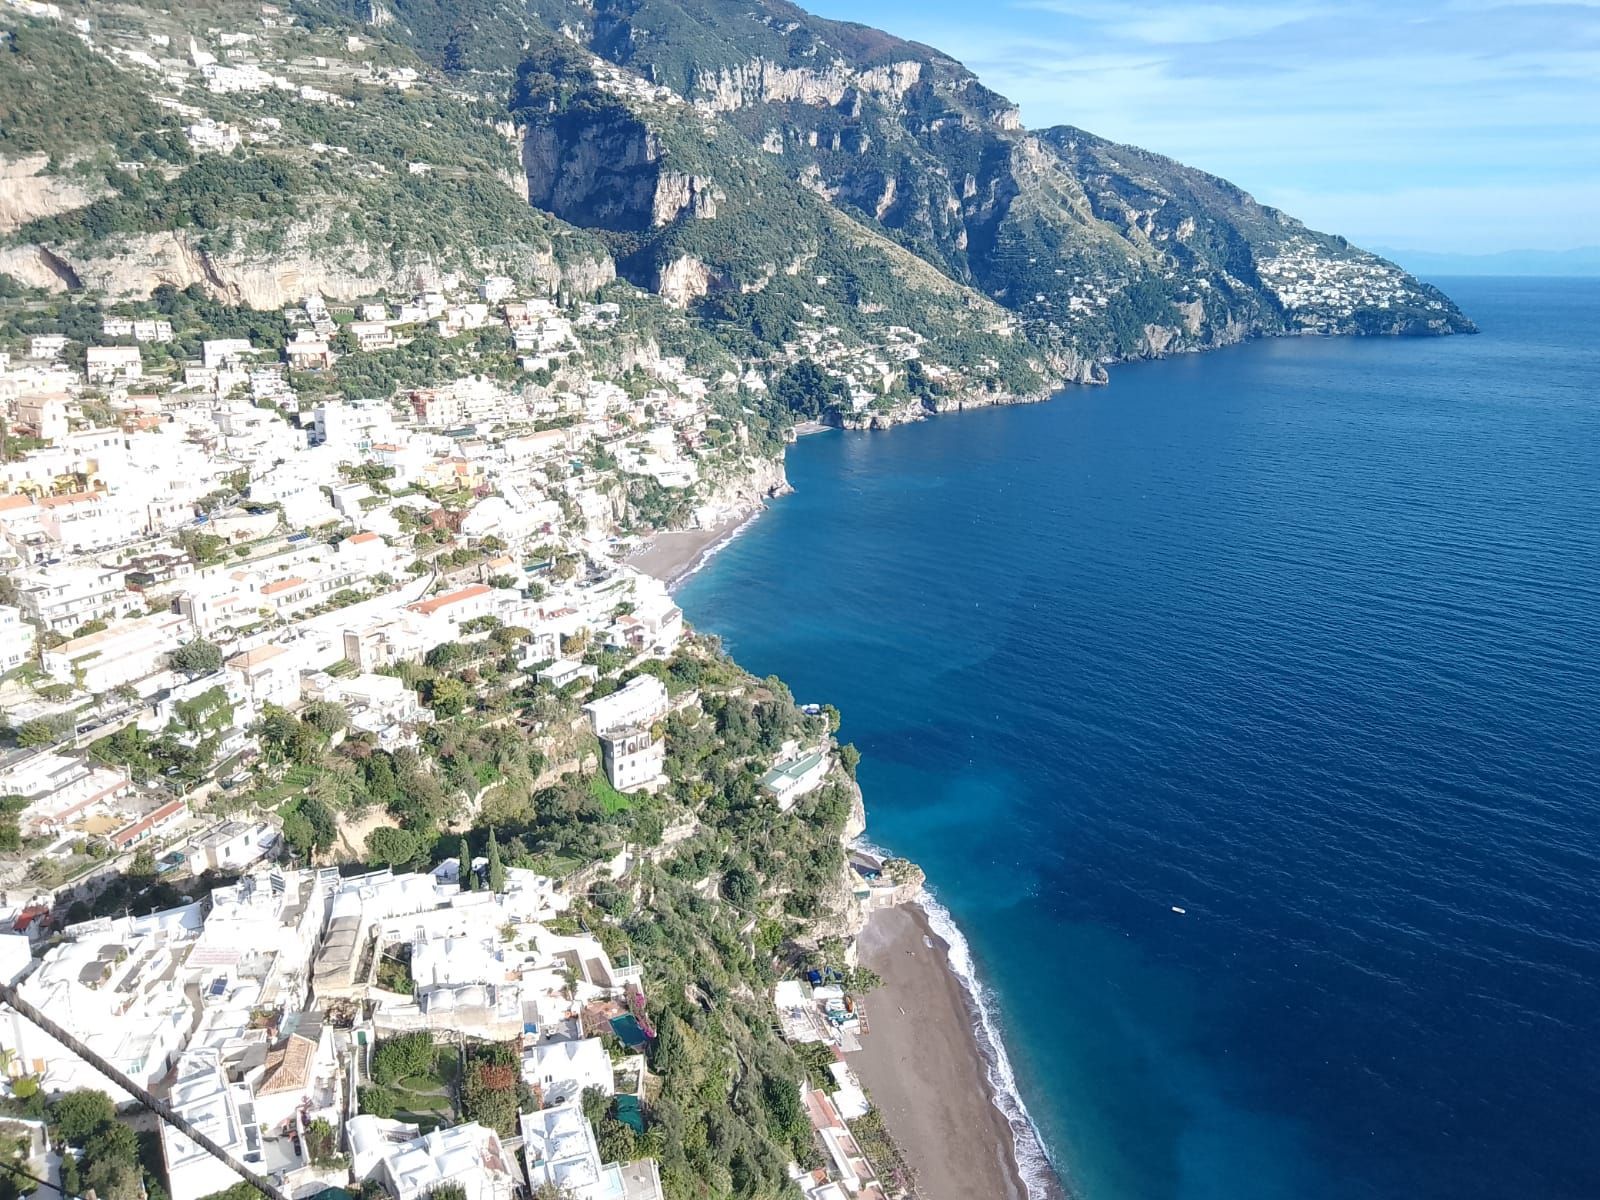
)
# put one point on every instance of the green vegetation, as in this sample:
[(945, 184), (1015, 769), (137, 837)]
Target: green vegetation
[(413, 1080), (492, 1090), (111, 1160), (42, 62)]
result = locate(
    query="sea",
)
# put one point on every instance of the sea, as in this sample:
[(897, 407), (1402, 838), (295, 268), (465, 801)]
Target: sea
[(1301, 638)]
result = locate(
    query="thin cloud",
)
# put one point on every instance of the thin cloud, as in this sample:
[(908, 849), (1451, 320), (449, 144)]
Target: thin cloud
[(1334, 106)]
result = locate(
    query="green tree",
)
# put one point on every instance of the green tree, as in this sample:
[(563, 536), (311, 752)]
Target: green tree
[(448, 697), (387, 846), (322, 1142), (198, 657), (326, 716), (497, 871), (850, 758), (39, 732), (80, 1113), (464, 859)]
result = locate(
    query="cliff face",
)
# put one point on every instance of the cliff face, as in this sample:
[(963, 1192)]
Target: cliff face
[(761, 81), (135, 265), (1103, 249), (28, 191), (796, 186)]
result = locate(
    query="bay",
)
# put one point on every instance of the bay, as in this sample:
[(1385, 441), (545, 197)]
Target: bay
[(1302, 637)]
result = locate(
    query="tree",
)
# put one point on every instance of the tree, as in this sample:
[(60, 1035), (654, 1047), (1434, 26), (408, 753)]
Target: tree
[(387, 846), (198, 657), (464, 858), (143, 865), (497, 871), (322, 1143), (849, 757), (326, 716), (447, 697), (741, 887), (38, 732)]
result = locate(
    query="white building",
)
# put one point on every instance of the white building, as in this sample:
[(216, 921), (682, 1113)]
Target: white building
[(16, 638), (63, 598), (563, 1070), (559, 1147), (114, 364), (469, 1156), (641, 701), (795, 777), (631, 751), (122, 653), (222, 1111), (120, 986), (222, 352), (264, 930), (84, 522)]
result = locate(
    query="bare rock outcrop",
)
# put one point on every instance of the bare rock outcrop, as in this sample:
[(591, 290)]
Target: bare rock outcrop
[(27, 193), (761, 81)]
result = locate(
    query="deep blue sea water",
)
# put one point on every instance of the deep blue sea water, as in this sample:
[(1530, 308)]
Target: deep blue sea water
[(1303, 637)]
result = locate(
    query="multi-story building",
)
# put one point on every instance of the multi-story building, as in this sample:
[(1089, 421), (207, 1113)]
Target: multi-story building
[(114, 364), (16, 639), (63, 598), (122, 653)]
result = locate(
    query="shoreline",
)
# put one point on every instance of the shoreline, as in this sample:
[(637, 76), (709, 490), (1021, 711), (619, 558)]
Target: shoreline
[(935, 1069), (942, 1067), (675, 555)]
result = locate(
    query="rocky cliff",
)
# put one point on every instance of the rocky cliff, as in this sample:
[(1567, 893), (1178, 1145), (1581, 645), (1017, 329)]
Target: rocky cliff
[(800, 188)]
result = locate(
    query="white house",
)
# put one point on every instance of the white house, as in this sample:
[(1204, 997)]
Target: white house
[(16, 638), (222, 352), (120, 987), (114, 364), (224, 1112), (564, 1070), (469, 1156), (625, 722), (119, 654), (798, 776), (641, 701)]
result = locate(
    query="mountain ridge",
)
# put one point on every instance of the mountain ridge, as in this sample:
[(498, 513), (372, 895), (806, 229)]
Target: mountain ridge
[(801, 188)]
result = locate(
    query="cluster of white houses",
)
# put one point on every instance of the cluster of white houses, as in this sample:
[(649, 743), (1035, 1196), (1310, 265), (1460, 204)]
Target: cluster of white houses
[(256, 1012), (150, 501)]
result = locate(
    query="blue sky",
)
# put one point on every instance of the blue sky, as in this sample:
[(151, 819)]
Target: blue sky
[(1461, 125)]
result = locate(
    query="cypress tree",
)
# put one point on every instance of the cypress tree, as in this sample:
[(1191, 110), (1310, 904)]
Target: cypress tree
[(466, 878), (497, 872)]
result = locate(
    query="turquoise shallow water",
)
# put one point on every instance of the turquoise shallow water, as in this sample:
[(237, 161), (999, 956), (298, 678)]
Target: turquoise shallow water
[(1303, 637)]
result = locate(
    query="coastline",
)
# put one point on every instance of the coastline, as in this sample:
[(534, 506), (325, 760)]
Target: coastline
[(675, 555), (936, 1071), (934, 1065)]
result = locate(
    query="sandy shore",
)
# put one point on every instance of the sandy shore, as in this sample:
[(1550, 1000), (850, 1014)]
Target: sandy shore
[(923, 1069), (671, 556)]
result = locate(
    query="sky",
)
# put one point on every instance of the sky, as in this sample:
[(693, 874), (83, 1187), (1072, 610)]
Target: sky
[(1470, 126)]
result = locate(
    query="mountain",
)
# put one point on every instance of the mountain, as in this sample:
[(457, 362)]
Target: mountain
[(1582, 261), (797, 187)]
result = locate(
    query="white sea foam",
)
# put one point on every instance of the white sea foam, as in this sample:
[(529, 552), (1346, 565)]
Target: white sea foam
[(714, 549), (1033, 1161)]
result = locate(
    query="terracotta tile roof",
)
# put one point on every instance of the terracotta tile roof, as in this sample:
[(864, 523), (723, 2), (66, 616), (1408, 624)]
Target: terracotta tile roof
[(283, 585), (254, 658), (428, 607), (74, 498), (288, 1067)]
